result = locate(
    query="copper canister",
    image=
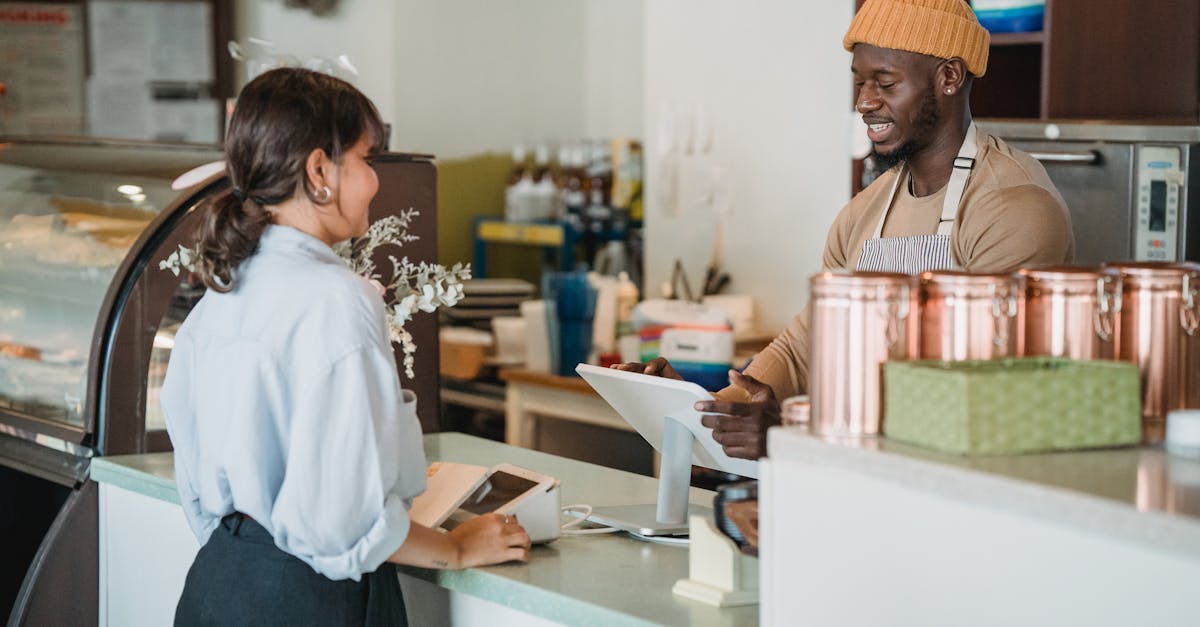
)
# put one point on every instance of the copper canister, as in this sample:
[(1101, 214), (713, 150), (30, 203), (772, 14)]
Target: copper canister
[(1160, 332), (1072, 311), (1190, 322), (971, 316), (858, 321)]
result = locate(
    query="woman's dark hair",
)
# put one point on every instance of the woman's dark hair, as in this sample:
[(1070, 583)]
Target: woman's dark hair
[(280, 118)]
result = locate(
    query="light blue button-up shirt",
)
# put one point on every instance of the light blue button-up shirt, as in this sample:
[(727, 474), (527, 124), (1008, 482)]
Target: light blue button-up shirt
[(283, 402)]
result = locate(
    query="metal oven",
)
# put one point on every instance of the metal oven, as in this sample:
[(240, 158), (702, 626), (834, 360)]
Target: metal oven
[(1128, 186)]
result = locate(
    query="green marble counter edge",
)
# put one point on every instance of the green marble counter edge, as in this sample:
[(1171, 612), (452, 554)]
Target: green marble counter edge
[(153, 475)]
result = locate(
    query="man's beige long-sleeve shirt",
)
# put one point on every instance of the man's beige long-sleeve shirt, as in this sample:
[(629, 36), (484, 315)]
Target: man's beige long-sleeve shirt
[(1010, 217)]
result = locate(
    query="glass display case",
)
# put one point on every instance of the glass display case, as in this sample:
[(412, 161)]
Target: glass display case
[(78, 223), (87, 322), (75, 235)]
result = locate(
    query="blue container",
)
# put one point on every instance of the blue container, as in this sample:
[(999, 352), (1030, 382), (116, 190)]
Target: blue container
[(1024, 19), (570, 308), (711, 377)]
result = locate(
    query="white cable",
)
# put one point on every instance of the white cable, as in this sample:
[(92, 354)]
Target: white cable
[(589, 532), (582, 510)]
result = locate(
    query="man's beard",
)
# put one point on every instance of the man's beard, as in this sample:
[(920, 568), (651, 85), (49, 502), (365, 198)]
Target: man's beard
[(927, 119)]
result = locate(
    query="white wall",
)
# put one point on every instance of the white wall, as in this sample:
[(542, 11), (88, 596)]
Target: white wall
[(613, 62), (477, 75), (460, 77), (776, 85), (362, 29)]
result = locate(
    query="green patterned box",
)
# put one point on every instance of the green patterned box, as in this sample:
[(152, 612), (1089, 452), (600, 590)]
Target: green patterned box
[(1020, 405)]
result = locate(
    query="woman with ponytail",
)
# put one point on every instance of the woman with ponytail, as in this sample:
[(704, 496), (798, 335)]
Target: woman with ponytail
[(297, 454)]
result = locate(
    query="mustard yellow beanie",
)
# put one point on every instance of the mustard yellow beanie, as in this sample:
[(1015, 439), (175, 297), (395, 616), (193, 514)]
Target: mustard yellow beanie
[(940, 28)]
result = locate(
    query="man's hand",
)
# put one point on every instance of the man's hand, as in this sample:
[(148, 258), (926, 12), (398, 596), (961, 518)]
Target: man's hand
[(742, 429), (658, 367), (744, 515)]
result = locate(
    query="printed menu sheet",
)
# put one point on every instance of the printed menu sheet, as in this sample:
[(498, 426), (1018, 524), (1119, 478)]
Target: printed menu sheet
[(41, 69), (152, 70)]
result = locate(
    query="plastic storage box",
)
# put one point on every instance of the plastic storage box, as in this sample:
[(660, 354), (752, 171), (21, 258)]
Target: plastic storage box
[(1019, 405), (1010, 16)]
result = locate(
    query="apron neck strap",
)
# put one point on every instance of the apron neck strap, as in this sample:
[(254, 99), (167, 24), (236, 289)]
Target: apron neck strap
[(963, 164), (959, 175)]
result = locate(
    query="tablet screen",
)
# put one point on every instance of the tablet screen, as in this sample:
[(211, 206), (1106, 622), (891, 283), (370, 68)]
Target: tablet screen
[(500, 488)]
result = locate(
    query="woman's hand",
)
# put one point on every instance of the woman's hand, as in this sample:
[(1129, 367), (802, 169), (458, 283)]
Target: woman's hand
[(490, 539), (741, 430), (480, 541), (658, 367)]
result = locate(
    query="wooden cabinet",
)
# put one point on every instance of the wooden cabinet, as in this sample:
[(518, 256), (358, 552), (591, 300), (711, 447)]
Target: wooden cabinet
[(1097, 59)]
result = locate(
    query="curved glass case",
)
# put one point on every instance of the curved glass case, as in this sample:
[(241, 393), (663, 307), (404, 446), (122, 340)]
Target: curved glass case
[(87, 317), (73, 214), (63, 234)]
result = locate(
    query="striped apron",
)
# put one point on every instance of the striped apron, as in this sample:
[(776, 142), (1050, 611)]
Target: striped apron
[(920, 253)]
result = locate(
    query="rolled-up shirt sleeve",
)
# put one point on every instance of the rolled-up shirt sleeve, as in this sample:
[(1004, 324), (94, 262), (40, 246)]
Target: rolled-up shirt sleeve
[(201, 525), (782, 364), (354, 462)]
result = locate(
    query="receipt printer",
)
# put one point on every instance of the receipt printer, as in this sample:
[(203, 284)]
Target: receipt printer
[(458, 492)]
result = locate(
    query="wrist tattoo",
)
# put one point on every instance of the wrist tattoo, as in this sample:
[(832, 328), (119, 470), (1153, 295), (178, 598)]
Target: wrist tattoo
[(440, 563)]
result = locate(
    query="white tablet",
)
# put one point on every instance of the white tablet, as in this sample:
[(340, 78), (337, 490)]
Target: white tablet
[(505, 488), (530, 496), (457, 492), (644, 401), (447, 485)]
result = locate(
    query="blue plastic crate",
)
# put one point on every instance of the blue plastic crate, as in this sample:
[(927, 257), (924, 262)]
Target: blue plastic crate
[(1015, 20)]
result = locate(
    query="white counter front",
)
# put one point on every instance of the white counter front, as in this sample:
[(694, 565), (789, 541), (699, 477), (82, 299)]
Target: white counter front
[(878, 533)]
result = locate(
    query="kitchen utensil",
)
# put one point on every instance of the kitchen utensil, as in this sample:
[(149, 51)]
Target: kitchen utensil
[(680, 288)]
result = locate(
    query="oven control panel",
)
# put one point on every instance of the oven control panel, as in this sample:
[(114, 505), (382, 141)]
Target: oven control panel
[(1158, 191)]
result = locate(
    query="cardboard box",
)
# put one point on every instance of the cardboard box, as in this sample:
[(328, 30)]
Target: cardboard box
[(463, 351)]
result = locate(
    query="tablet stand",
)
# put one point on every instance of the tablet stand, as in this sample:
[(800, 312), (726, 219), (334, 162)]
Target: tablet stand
[(662, 411), (669, 517)]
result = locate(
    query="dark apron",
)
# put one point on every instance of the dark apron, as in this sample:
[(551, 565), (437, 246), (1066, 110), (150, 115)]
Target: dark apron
[(241, 578)]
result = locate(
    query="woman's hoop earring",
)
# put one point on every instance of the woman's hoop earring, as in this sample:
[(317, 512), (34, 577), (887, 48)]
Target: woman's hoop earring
[(328, 195)]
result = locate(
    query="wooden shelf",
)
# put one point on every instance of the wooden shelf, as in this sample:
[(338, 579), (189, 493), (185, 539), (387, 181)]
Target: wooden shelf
[(1018, 39)]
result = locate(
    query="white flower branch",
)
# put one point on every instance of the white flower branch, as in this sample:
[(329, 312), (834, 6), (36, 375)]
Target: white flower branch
[(409, 288)]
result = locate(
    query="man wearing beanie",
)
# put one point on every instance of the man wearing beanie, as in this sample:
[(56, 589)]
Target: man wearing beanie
[(954, 197)]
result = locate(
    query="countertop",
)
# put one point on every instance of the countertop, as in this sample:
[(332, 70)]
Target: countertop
[(582, 580), (1136, 494)]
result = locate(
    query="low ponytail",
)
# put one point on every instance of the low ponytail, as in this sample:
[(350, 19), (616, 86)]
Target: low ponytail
[(229, 235), (280, 118)]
